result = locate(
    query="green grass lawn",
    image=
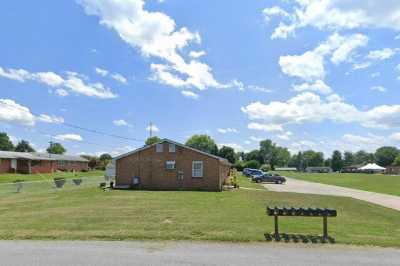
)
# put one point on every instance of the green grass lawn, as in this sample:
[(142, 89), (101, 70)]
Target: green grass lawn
[(239, 215), (9, 178), (376, 183)]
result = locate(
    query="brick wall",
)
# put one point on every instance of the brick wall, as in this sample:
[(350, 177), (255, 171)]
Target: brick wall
[(43, 167), (150, 167), (5, 165), (72, 166)]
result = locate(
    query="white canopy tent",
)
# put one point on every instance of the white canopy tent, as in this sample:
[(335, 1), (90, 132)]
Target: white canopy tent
[(373, 167)]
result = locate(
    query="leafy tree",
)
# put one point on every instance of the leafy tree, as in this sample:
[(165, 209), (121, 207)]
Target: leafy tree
[(397, 161), (5, 142), (24, 146), (152, 140), (252, 164), (56, 148), (204, 143), (297, 160), (363, 157), (105, 157), (312, 158), (385, 156), (273, 154), (328, 162), (265, 168), (254, 155), (227, 153), (282, 156), (349, 158), (239, 165), (336, 161)]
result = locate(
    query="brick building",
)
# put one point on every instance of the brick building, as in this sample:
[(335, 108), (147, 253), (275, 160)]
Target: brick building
[(168, 165), (33, 163)]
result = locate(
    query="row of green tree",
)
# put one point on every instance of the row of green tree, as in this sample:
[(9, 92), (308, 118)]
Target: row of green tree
[(269, 155)]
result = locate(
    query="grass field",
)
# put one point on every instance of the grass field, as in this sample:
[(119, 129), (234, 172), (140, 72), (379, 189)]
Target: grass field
[(376, 183), (9, 178), (90, 213)]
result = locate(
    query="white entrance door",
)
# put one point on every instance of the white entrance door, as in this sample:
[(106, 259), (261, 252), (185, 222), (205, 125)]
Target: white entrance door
[(14, 164)]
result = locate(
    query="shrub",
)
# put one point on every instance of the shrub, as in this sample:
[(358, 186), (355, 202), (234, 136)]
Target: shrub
[(252, 164), (239, 165), (265, 167)]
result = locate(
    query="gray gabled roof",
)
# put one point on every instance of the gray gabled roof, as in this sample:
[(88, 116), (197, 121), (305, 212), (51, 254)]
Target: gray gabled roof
[(223, 160), (40, 156)]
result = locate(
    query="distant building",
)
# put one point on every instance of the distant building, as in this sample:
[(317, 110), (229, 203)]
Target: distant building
[(168, 165), (34, 163), (393, 170), (285, 169), (351, 169), (319, 170)]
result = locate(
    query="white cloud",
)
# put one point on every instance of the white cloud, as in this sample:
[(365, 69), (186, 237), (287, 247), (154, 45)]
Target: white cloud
[(153, 128), (50, 119), (121, 123), (356, 142), (68, 137), (378, 88), (395, 136), (317, 86), (361, 65), (227, 130), (310, 65), (197, 54), (73, 81), (335, 15), (190, 94), (235, 146), (383, 54), (102, 72), (274, 11), (285, 136), (12, 112), (155, 35), (265, 127), (375, 74), (119, 78), (308, 107), (258, 88)]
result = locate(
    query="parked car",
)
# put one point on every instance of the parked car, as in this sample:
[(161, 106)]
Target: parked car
[(270, 178), (252, 172)]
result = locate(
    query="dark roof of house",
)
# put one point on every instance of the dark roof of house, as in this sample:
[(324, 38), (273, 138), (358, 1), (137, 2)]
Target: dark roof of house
[(40, 156), (223, 160)]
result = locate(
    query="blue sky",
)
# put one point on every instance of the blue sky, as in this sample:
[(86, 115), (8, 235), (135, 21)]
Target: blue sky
[(308, 74)]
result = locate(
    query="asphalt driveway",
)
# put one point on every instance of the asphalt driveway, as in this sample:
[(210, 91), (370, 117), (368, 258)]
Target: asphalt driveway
[(79, 253), (300, 186)]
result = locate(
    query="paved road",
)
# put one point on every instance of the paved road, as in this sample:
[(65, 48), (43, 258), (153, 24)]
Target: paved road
[(50, 253), (299, 186)]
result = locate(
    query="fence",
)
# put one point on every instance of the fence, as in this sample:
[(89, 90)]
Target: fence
[(49, 185)]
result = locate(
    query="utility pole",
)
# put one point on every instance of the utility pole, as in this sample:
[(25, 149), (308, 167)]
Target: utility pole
[(151, 129), (51, 145)]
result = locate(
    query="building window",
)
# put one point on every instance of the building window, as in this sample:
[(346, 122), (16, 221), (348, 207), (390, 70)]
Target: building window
[(172, 147), (170, 165), (197, 169), (35, 163), (159, 147)]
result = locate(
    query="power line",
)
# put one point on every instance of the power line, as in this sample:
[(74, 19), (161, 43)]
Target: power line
[(100, 132), (90, 130)]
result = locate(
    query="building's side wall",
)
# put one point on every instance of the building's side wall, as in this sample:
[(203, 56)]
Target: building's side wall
[(23, 166), (72, 166), (150, 167), (393, 170), (5, 165), (43, 167)]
